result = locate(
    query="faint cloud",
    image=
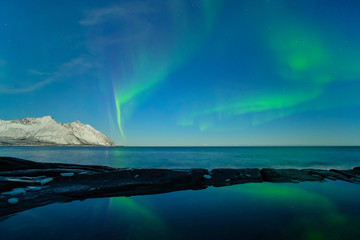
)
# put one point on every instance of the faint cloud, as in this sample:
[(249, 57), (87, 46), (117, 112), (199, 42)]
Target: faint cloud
[(101, 15), (74, 67), (131, 16), (132, 21), (125, 11), (38, 73), (4, 89), (69, 69)]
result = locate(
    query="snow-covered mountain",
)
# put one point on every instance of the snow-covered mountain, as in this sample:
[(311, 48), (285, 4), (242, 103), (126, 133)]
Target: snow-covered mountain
[(46, 131)]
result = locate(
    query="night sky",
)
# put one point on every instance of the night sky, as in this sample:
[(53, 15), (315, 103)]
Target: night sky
[(199, 72)]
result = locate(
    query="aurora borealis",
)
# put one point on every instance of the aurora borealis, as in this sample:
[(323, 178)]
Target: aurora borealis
[(193, 72)]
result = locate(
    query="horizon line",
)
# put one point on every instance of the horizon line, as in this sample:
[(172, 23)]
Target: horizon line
[(237, 146)]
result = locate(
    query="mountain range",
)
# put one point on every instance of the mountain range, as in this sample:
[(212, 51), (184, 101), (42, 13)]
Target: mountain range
[(45, 131)]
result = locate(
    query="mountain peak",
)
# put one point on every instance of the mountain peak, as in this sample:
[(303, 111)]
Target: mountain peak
[(48, 117), (78, 122), (46, 131)]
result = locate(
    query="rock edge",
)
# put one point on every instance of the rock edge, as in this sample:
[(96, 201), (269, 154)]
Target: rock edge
[(26, 184)]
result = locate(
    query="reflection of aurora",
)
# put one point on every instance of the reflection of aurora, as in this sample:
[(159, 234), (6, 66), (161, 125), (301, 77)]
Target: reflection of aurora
[(144, 224), (151, 65), (313, 216), (317, 217), (117, 158)]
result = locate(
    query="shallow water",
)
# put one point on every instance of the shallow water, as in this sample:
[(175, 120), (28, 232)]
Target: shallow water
[(194, 157), (247, 211)]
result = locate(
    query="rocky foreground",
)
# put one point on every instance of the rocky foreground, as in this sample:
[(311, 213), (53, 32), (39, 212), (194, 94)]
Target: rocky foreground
[(26, 184)]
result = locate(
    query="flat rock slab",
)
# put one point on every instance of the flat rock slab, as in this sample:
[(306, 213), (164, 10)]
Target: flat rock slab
[(12, 164), (225, 177), (289, 175), (26, 184)]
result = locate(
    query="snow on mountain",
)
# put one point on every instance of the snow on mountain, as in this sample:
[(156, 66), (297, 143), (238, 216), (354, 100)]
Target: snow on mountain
[(46, 131)]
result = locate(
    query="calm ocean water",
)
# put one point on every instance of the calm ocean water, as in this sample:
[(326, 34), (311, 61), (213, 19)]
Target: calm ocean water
[(303, 211), (194, 157)]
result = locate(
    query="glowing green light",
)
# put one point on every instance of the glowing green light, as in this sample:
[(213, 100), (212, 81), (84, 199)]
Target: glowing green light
[(143, 222), (305, 59), (300, 54), (210, 11), (290, 196), (145, 75), (282, 102), (119, 118), (151, 65)]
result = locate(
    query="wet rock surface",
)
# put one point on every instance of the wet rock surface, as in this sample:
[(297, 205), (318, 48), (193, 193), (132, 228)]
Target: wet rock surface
[(289, 175), (26, 184), (225, 177)]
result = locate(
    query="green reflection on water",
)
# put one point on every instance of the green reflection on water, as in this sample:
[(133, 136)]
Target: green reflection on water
[(143, 223), (316, 217), (117, 161)]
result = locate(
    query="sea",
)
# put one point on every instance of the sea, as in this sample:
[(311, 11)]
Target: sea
[(308, 210)]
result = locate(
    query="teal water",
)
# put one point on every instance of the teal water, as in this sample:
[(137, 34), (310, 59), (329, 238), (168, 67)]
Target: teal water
[(194, 157), (307, 211)]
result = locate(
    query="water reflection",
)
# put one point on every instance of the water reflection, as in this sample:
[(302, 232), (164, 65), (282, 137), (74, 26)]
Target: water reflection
[(303, 211), (317, 216), (142, 222)]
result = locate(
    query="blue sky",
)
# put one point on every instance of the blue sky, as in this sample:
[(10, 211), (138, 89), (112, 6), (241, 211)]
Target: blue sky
[(200, 72)]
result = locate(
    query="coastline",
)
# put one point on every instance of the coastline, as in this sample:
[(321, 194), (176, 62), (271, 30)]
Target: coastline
[(26, 184)]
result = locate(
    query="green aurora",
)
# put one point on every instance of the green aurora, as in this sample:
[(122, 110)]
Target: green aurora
[(187, 72), (147, 71)]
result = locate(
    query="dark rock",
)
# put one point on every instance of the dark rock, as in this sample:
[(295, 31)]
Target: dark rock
[(112, 183), (45, 183), (224, 177), (324, 174), (7, 184), (42, 172), (13, 164), (348, 175), (288, 175)]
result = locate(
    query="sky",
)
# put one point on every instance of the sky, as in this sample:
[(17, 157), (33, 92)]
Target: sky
[(186, 72)]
